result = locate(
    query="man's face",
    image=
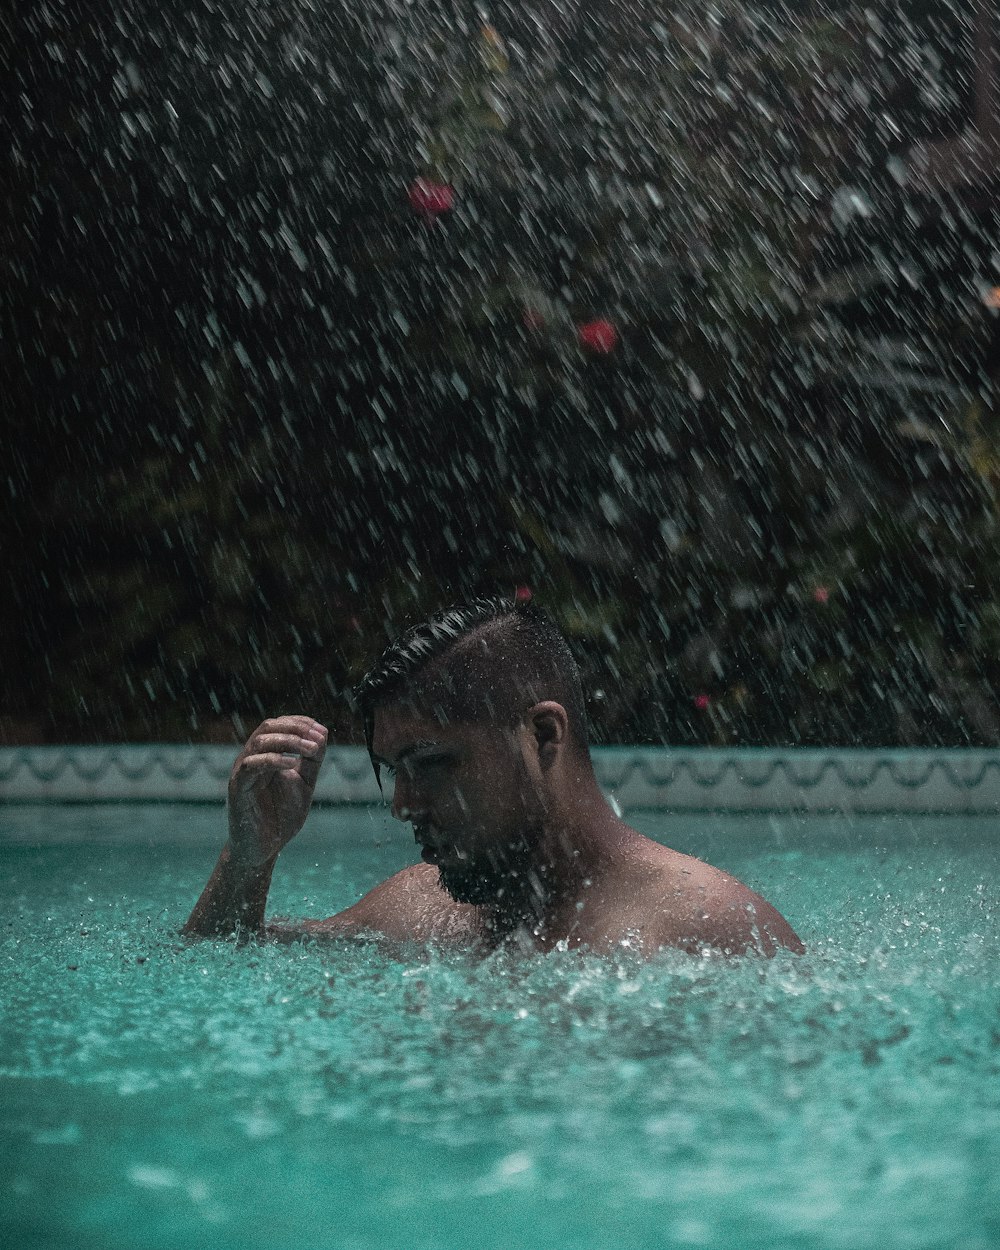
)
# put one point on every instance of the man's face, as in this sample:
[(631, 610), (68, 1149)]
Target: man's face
[(467, 792)]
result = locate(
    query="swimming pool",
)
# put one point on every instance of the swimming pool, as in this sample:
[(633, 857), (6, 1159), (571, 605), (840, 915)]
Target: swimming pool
[(163, 1094)]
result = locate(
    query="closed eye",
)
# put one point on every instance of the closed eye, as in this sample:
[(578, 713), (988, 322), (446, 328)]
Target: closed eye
[(416, 764), (424, 764)]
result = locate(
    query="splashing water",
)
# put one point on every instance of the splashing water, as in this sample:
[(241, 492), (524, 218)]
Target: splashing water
[(274, 1095)]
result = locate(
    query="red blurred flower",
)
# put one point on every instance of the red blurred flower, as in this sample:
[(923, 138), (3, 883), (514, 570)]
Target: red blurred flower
[(430, 199), (702, 702), (599, 337), (523, 594), (821, 594)]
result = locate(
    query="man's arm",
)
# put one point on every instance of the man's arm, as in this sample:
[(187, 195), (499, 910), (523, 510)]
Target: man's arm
[(409, 906), (270, 792), (233, 900), (745, 924), (713, 909)]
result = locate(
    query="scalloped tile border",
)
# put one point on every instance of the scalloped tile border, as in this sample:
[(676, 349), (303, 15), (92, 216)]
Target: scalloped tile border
[(683, 779)]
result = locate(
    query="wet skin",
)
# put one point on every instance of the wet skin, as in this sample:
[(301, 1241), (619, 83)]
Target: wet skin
[(517, 840)]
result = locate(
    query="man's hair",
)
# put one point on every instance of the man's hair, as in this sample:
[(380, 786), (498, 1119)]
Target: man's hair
[(486, 660)]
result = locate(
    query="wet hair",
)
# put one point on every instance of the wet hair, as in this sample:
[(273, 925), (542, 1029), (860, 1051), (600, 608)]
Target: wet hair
[(488, 660)]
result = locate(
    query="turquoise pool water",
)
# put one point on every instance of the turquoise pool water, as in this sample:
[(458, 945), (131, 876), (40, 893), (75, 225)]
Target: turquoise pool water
[(158, 1094)]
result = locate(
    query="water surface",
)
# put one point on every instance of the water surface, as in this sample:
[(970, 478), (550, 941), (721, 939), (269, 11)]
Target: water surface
[(159, 1093)]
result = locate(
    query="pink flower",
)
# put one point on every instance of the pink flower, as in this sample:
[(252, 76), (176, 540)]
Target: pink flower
[(702, 702), (599, 337), (821, 594), (430, 199), (523, 594)]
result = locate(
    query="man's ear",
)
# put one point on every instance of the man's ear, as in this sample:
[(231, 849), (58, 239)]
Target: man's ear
[(549, 726)]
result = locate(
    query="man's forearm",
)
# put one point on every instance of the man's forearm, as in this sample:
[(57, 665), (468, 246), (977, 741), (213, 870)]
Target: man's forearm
[(234, 899)]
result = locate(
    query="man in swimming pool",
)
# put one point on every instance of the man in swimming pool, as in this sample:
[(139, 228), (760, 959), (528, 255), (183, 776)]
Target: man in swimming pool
[(478, 717)]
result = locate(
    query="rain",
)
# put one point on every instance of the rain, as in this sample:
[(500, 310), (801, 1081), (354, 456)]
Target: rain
[(681, 316)]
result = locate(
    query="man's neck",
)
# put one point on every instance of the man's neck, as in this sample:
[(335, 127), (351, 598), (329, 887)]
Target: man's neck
[(578, 844)]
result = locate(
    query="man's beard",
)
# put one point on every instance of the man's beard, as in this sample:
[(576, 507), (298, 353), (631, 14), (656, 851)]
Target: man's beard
[(496, 882)]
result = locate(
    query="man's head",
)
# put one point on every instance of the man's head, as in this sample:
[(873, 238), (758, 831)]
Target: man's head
[(477, 712)]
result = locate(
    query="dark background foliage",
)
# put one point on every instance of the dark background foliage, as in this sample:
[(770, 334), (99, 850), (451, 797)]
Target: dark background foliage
[(260, 413)]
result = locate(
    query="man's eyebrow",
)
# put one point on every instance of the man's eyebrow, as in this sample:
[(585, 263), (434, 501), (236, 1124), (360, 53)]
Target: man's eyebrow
[(412, 749)]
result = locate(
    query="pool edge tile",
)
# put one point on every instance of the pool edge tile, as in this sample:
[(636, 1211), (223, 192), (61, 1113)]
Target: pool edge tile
[(660, 778)]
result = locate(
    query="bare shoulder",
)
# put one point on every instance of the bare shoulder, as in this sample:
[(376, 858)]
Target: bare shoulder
[(690, 904), (409, 906)]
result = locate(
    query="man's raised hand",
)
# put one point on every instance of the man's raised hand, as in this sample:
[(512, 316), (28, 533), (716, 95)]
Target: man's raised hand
[(271, 787)]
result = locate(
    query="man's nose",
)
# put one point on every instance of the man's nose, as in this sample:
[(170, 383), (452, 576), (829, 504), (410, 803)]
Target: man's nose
[(406, 804)]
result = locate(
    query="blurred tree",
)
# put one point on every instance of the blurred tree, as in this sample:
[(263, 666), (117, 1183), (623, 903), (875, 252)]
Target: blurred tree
[(333, 316)]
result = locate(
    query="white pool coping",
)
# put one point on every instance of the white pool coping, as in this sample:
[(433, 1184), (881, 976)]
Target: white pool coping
[(736, 779)]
